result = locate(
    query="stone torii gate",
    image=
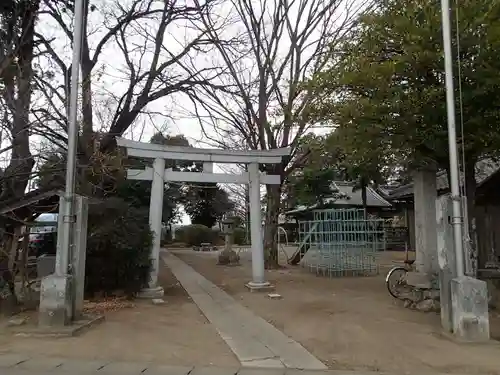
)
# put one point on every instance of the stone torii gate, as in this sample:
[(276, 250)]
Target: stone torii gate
[(159, 175)]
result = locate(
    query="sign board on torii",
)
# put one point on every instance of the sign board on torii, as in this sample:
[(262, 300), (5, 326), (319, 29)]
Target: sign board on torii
[(159, 175)]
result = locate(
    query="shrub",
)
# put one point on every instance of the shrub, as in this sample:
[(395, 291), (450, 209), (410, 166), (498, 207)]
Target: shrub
[(166, 236), (239, 236), (195, 235), (118, 248)]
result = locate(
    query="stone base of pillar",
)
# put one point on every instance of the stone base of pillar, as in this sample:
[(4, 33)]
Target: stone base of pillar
[(259, 287), (228, 258), (151, 293), (55, 301), (470, 317)]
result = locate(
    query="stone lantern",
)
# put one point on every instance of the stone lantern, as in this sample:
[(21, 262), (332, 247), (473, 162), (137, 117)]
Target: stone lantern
[(228, 227), (228, 256)]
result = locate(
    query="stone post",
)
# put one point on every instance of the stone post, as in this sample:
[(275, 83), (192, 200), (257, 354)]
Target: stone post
[(79, 255), (56, 291), (470, 309), (446, 259), (464, 300), (228, 256), (62, 257), (425, 195)]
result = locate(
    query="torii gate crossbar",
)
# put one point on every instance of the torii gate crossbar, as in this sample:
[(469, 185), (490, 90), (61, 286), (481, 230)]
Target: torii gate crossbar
[(158, 175)]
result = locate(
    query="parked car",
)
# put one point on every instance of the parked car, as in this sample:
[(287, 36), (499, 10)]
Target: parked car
[(44, 243), (42, 238)]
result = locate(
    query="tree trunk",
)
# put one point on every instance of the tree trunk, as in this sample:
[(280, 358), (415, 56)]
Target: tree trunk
[(17, 82), (14, 247), (18, 172), (271, 226)]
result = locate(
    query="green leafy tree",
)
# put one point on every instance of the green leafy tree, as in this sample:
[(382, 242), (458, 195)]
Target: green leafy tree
[(363, 169), (118, 248), (311, 184), (326, 159), (108, 174), (138, 192), (384, 87), (51, 173), (206, 204)]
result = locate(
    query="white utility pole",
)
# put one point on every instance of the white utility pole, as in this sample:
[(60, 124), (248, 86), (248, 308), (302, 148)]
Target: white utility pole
[(457, 219), (66, 210)]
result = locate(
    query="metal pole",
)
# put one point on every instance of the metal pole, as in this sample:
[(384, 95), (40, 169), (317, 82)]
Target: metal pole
[(457, 219), (66, 210)]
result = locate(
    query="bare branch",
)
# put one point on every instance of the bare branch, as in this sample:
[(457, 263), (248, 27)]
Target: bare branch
[(285, 44)]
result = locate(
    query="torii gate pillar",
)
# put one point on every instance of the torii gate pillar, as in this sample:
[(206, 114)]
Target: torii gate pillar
[(258, 276), (155, 223)]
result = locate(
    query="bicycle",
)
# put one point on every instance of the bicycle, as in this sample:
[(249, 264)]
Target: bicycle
[(396, 279)]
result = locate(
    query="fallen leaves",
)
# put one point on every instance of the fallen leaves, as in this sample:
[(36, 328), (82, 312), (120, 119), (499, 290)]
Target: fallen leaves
[(107, 305)]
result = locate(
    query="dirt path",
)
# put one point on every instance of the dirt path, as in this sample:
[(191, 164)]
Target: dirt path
[(352, 323), (175, 333)]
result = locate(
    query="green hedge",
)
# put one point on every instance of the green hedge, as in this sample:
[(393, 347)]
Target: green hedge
[(118, 248), (239, 236), (196, 234)]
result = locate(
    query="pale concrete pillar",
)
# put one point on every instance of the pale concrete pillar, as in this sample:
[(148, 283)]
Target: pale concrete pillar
[(258, 275), (56, 290), (471, 320), (79, 255), (155, 221), (208, 167), (425, 195), (411, 227), (446, 259), (62, 255)]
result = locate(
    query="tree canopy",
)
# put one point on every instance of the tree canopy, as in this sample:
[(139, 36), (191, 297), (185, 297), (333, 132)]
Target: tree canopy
[(383, 90), (312, 183), (206, 204), (384, 86)]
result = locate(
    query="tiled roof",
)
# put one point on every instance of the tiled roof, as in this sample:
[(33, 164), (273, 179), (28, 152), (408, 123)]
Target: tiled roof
[(484, 169), (351, 198)]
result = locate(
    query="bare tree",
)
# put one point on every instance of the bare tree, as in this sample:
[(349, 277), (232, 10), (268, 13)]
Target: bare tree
[(238, 193), (148, 64), (283, 44), (17, 30)]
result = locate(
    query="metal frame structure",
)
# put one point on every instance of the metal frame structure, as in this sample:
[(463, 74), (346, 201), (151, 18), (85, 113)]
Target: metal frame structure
[(342, 242)]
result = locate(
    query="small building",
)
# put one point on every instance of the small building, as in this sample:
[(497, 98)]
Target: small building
[(348, 197)]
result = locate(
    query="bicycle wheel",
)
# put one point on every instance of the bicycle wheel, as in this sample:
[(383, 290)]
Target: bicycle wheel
[(396, 282)]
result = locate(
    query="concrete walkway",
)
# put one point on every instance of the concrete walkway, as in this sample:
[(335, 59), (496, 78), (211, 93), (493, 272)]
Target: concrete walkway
[(18, 364), (255, 342)]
